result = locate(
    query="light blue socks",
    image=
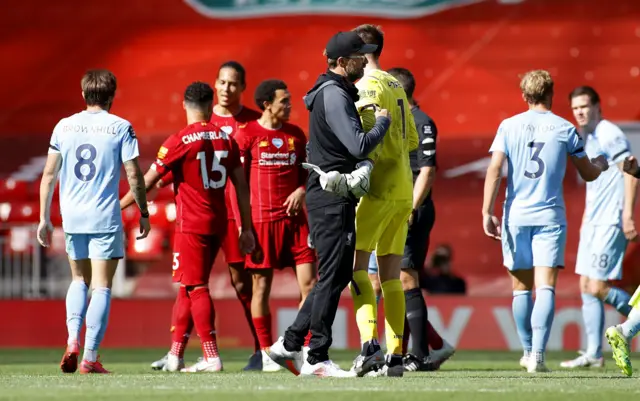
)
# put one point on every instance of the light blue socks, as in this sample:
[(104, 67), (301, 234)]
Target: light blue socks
[(542, 319), (619, 299), (593, 317), (97, 319), (522, 307), (76, 308)]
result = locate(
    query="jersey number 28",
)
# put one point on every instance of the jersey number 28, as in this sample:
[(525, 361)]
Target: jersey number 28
[(535, 157), (218, 155)]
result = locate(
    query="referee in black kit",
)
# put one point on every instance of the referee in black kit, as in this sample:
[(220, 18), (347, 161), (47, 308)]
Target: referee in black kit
[(337, 142)]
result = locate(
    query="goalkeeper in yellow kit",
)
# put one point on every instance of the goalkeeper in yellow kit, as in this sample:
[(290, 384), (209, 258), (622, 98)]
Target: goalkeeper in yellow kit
[(383, 213)]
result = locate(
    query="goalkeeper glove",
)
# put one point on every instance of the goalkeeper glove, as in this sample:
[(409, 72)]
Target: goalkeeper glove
[(358, 180), (331, 181)]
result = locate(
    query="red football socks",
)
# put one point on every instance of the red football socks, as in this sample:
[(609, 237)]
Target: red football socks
[(204, 319), (245, 300), (182, 323), (263, 329), (435, 341)]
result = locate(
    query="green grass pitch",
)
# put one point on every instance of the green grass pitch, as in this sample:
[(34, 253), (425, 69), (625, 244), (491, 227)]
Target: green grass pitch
[(477, 376)]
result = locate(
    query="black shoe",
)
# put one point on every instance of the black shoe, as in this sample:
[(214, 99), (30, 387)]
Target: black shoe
[(414, 364), (394, 366), (370, 359)]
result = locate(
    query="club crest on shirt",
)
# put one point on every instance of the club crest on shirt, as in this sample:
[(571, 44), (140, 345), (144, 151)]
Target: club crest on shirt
[(227, 129), (277, 142), (263, 144)]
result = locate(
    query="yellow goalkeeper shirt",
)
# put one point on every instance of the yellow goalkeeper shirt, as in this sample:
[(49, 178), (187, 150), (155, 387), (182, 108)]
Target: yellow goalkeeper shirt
[(391, 178)]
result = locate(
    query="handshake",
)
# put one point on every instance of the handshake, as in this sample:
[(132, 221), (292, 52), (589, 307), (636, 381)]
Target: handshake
[(341, 184)]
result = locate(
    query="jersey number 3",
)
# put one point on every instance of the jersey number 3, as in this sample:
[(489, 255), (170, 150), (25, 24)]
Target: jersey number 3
[(216, 166), (535, 157)]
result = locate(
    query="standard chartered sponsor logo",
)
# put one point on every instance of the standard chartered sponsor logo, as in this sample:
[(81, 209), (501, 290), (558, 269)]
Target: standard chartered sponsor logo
[(386, 8)]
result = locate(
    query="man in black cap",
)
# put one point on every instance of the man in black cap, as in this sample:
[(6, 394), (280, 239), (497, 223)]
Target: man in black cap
[(337, 144)]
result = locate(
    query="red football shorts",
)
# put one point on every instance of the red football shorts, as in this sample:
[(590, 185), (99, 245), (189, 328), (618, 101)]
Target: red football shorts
[(282, 243), (193, 258), (231, 244)]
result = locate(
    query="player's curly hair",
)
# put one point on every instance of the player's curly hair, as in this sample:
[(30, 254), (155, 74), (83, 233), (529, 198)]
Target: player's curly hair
[(371, 35), (237, 67), (537, 86), (266, 91), (199, 95)]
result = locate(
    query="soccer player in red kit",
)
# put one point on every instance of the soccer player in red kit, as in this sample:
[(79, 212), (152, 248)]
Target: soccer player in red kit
[(227, 114), (273, 152), (201, 157)]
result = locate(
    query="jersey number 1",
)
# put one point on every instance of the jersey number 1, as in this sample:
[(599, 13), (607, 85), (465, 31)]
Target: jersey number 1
[(218, 155), (404, 124)]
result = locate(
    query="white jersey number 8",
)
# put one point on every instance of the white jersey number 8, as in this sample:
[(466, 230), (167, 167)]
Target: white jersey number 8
[(216, 166)]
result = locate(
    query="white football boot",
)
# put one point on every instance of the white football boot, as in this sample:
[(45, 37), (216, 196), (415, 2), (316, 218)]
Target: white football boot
[(290, 360), (268, 365), (583, 361), (174, 363), (205, 365), (325, 369)]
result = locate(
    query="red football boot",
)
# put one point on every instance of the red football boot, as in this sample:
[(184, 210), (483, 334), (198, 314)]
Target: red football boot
[(69, 363), (87, 367)]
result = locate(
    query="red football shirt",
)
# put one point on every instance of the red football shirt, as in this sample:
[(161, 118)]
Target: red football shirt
[(200, 157), (273, 160), (229, 124)]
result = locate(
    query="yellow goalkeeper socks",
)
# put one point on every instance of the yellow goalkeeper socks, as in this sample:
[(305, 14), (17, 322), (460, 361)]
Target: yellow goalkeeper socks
[(394, 311), (364, 305)]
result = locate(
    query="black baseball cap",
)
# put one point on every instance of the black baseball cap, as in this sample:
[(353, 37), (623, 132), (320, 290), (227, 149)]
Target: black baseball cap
[(344, 44)]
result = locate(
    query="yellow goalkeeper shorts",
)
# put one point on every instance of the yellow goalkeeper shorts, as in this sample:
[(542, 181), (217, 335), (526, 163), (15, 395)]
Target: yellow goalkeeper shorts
[(381, 225)]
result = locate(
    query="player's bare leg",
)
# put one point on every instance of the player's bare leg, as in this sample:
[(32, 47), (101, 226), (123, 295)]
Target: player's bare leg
[(102, 272), (371, 357), (261, 314), (307, 276), (203, 314), (241, 281), (76, 310)]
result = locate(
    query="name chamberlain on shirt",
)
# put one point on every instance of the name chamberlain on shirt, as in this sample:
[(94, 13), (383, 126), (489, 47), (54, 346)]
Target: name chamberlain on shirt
[(204, 135)]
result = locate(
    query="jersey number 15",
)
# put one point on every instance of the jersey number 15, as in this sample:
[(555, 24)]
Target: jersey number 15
[(218, 155)]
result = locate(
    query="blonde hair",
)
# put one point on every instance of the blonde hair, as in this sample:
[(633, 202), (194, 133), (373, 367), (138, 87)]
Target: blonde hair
[(537, 86)]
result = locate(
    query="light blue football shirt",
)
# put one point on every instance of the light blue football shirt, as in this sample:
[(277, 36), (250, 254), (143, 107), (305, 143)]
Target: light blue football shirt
[(93, 146), (536, 145), (605, 196)]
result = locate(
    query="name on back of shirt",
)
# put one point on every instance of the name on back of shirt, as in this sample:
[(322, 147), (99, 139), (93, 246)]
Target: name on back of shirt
[(93, 129), (204, 136)]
